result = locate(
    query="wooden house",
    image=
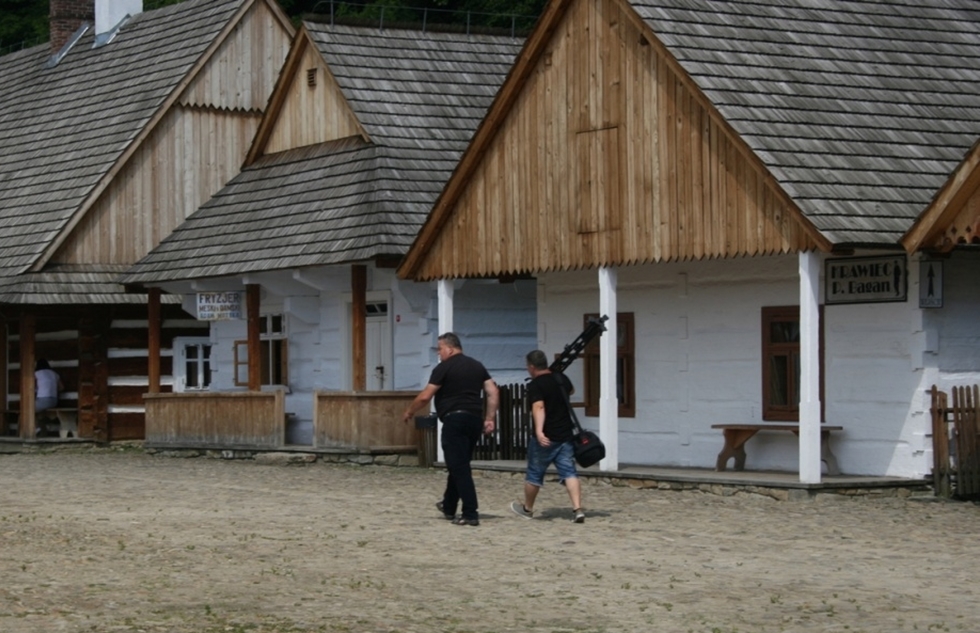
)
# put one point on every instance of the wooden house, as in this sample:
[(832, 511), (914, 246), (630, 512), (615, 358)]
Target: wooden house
[(109, 138), (774, 203), (363, 129)]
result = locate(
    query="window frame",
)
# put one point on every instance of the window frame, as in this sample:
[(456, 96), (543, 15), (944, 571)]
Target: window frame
[(788, 412), (626, 366), (268, 338), (205, 363)]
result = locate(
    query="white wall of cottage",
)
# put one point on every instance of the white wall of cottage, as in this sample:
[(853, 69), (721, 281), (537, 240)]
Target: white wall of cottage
[(496, 323), (698, 360)]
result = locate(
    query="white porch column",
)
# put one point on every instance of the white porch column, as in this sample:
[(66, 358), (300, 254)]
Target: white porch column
[(608, 403), (444, 292), (809, 367)]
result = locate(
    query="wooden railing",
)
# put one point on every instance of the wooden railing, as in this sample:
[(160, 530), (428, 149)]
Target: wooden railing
[(363, 419), (513, 427), (956, 442), (234, 420)]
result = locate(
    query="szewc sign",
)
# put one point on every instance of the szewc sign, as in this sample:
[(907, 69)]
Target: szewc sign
[(866, 279)]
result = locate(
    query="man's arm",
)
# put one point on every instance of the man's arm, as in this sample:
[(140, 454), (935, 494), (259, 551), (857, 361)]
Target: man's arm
[(537, 412), (421, 400), (493, 402)]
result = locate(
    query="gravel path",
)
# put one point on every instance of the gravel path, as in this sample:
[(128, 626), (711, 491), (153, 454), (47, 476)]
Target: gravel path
[(115, 540)]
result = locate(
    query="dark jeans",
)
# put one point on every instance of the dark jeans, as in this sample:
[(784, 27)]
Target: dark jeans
[(460, 433)]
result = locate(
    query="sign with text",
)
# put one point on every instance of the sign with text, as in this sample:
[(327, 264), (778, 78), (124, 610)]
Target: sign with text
[(219, 306), (866, 279)]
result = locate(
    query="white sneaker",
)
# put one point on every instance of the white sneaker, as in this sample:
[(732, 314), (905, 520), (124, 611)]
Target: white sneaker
[(518, 508)]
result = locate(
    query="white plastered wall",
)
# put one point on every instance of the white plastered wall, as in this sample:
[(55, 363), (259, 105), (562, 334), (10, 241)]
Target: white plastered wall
[(698, 361)]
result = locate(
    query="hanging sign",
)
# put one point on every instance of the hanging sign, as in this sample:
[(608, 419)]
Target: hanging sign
[(866, 279), (219, 306), (930, 284)]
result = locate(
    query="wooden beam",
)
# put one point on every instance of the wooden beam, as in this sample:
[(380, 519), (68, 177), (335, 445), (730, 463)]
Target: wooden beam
[(358, 284), (153, 336), (28, 330), (253, 301)]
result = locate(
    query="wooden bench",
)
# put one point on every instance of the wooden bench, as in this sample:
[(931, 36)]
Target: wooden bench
[(67, 419), (736, 435)]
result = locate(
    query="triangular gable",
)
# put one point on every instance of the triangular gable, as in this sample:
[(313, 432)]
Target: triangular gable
[(953, 217), (158, 117), (129, 220), (569, 172), (219, 84), (307, 106)]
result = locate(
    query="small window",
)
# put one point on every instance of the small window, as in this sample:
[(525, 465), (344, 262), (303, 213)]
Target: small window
[(192, 364), (625, 364), (311, 77), (274, 347), (781, 363)]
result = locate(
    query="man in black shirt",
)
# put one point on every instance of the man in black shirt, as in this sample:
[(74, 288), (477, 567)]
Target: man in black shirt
[(458, 383), (552, 439)]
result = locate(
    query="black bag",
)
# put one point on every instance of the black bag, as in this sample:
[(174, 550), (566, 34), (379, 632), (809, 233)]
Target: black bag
[(589, 449)]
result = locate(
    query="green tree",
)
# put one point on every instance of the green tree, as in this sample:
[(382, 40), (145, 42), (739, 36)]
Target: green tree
[(25, 22)]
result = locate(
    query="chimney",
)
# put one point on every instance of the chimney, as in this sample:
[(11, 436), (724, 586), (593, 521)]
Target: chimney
[(66, 17), (109, 13)]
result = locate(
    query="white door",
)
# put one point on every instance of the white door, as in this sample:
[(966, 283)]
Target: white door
[(378, 359)]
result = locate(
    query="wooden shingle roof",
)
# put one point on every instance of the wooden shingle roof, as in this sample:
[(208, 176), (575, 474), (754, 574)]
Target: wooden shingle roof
[(419, 96), (861, 109), (65, 129)]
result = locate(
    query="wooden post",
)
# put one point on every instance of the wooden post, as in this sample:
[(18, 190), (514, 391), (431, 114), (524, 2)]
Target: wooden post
[(608, 365), (153, 335), (809, 265), (253, 301), (28, 328), (358, 284)]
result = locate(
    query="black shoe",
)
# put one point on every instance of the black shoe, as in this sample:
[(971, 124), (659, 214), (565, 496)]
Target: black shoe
[(464, 521), (441, 508)]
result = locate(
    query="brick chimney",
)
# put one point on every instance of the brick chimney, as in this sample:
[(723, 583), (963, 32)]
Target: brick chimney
[(65, 16)]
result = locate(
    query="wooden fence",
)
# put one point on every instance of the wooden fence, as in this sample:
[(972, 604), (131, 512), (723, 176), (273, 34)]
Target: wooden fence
[(956, 442), (363, 419), (237, 420), (514, 426)]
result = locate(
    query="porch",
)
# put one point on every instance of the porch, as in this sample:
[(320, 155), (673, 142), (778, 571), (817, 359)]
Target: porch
[(777, 485)]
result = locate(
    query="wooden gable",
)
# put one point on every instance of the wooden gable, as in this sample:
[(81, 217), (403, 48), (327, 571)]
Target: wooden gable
[(307, 106), (953, 217), (600, 151), (197, 144), (235, 79)]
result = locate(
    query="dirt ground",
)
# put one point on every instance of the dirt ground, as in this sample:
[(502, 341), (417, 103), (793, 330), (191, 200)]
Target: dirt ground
[(116, 540)]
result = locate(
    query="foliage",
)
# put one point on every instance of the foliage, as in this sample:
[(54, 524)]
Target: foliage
[(25, 22), (22, 23)]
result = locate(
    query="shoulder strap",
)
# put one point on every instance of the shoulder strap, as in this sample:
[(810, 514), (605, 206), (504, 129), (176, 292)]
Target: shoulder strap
[(568, 403)]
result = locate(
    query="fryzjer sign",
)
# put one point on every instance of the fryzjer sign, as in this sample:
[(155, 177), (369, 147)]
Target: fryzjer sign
[(219, 306), (866, 279)]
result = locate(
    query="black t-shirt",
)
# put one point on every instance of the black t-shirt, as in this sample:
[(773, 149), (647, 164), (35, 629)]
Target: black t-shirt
[(460, 379), (557, 421)]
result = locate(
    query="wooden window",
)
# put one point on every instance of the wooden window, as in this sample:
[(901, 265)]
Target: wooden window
[(625, 364), (781, 363), (274, 347), (192, 365)]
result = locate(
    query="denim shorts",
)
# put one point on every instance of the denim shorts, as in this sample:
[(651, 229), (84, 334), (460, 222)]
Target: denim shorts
[(561, 454)]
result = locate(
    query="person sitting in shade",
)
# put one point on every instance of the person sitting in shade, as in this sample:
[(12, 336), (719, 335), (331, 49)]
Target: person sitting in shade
[(47, 386)]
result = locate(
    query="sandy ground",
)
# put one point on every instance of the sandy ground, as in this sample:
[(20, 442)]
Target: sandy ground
[(115, 540)]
